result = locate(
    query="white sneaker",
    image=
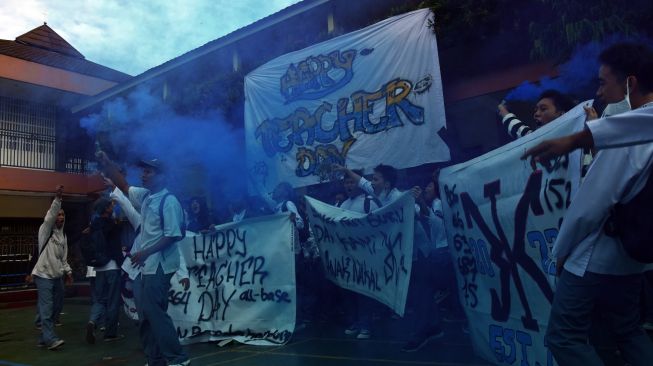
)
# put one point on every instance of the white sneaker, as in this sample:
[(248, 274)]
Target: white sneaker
[(352, 330), (56, 344), (185, 363), (648, 325), (364, 334)]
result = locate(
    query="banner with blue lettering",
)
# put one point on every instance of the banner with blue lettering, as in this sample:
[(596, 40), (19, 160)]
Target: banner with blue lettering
[(370, 254), (242, 284), (368, 97), (502, 219)]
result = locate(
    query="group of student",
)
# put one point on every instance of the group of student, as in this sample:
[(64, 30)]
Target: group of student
[(596, 272)]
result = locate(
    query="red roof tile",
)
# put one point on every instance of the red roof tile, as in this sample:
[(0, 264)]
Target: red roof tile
[(44, 46)]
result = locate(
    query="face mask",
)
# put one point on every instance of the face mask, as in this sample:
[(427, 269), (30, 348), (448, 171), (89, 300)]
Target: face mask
[(619, 107)]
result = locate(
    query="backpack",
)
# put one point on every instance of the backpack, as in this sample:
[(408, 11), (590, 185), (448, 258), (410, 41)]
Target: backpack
[(94, 248), (632, 223), (183, 223)]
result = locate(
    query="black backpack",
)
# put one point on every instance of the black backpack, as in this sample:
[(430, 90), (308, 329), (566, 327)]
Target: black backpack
[(94, 247), (632, 223)]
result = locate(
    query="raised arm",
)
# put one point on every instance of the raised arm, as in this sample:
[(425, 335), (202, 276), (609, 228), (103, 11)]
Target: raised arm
[(112, 171)]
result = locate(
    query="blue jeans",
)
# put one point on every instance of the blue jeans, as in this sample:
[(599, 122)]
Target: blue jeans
[(58, 306), (157, 332), (49, 290), (106, 304), (615, 297)]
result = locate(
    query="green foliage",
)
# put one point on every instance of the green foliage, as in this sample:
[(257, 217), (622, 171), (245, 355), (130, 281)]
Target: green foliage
[(555, 27), (569, 23)]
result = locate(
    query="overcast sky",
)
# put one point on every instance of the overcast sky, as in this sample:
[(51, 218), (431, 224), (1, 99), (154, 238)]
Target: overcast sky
[(134, 35)]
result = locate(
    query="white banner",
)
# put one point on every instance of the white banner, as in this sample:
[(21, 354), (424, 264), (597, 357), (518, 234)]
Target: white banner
[(242, 284), (367, 253), (368, 97), (502, 219)]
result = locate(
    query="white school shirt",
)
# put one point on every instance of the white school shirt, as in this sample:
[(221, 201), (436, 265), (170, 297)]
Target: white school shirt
[(135, 220), (615, 176), (357, 204), (628, 128), (436, 223), (151, 231), (385, 197)]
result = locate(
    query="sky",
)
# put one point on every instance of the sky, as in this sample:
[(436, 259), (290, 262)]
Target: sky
[(133, 36)]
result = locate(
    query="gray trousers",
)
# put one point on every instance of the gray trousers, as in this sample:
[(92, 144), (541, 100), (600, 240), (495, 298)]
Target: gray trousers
[(49, 291), (157, 332), (617, 298)]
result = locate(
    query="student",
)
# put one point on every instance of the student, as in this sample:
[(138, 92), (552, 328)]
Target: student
[(550, 105), (596, 273), (50, 267), (382, 186), (108, 277), (359, 201), (158, 256)]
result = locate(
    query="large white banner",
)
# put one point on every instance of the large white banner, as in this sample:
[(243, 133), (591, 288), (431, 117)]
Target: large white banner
[(368, 97), (367, 253), (502, 219), (242, 284)]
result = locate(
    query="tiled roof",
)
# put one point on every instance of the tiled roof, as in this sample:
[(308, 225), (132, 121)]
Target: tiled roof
[(46, 38), (44, 46)]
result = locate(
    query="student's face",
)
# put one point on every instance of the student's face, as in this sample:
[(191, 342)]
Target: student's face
[(545, 111), (611, 88), (61, 218), (378, 183), (150, 177), (195, 207), (351, 188)]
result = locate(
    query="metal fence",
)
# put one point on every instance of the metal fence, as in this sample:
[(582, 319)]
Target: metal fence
[(28, 139), (18, 238)]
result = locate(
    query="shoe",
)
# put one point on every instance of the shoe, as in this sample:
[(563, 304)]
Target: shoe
[(440, 296), (185, 363), (364, 334), (352, 330), (90, 333), (648, 325), (418, 342), (102, 329), (56, 344), (37, 327), (41, 345), (114, 338), (58, 323)]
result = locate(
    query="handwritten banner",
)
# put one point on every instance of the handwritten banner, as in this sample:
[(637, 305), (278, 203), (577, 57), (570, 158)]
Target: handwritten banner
[(242, 284), (367, 253), (502, 219), (350, 100)]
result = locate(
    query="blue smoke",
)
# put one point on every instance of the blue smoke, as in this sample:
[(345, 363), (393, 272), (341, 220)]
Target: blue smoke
[(203, 154), (577, 76)]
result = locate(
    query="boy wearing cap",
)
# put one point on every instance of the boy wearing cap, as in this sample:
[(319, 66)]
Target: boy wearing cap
[(157, 257)]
